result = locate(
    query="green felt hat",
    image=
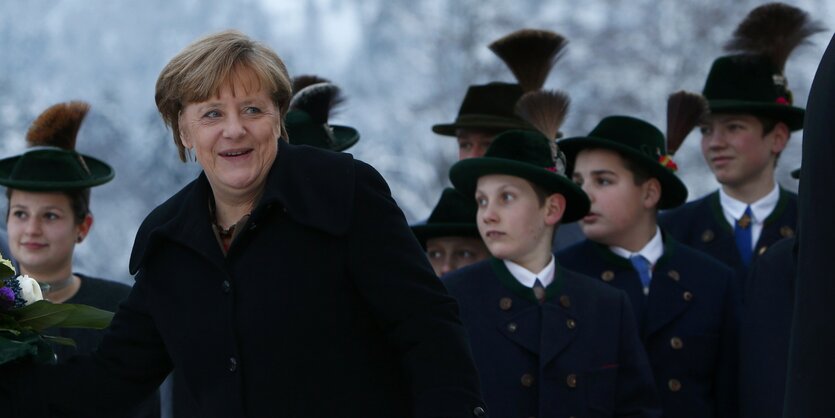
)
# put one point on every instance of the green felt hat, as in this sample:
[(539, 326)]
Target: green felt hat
[(751, 84), (490, 106), (307, 119), (51, 163), (524, 154), (453, 216), (640, 141), (751, 79)]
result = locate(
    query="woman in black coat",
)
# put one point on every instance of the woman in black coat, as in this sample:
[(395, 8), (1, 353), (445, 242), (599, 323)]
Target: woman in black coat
[(282, 282)]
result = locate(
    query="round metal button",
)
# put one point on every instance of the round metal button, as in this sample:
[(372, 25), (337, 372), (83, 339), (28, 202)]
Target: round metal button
[(527, 380), (565, 301), (511, 327), (226, 286), (761, 251), (233, 364), (479, 412), (571, 324), (505, 304), (674, 385), (786, 231), (707, 236), (607, 276), (687, 296), (571, 380), (676, 343)]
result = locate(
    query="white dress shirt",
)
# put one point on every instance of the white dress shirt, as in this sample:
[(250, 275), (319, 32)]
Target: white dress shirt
[(734, 209), (652, 252), (528, 278)]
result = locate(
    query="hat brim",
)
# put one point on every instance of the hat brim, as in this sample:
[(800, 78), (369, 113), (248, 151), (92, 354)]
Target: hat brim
[(480, 122), (465, 174), (425, 232), (673, 190), (100, 173), (344, 137), (790, 115)]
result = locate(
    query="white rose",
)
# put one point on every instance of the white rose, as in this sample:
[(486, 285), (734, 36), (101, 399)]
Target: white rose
[(30, 290)]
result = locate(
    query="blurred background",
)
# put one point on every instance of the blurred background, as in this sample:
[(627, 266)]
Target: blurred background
[(403, 64)]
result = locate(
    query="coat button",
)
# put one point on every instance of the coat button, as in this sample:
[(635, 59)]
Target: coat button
[(252, 226), (674, 385), (233, 364), (761, 250), (565, 301), (676, 343), (505, 304), (226, 286), (673, 275), (479, 412), (571, 380), (687, 296), (707, 236), (571, 324), (786, 231), (607, 276), (512, 327), (527, 380)]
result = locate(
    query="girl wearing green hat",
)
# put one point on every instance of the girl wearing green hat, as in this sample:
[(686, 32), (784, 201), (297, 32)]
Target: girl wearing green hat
[(48, 191)]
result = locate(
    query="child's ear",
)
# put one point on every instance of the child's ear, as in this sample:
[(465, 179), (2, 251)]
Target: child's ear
[(554, 208), (652, 193)]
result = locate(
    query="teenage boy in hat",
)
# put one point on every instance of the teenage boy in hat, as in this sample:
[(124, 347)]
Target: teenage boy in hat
[(490, 109), (681, 297), (751, 119), (450, 235), (548, 342)]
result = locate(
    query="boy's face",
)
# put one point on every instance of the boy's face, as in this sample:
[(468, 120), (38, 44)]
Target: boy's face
[(473, 143), (618, 206), (511, 220), (737, 151), (451, 253)]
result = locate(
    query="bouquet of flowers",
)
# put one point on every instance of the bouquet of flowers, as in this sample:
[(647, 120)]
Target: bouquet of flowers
[(24, 315)]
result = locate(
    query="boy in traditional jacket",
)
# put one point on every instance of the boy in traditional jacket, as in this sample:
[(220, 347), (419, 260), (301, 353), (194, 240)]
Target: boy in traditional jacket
[(752, 117), (548, 342), (682, 298)]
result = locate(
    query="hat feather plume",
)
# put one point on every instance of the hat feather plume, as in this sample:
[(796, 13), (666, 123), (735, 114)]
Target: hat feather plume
[(773, 30), (58, 125), (685, 111), (530, 54), (546, 111), (319, 101), (304, 80)]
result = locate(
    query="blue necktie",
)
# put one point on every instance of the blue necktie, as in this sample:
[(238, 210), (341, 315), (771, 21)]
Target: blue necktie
[(742, 236), (642, 266)]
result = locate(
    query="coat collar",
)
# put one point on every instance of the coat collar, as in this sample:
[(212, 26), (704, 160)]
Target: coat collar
[(314, 188)]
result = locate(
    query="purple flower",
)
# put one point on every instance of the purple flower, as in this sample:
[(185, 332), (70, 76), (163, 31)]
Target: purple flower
[(7, 298)]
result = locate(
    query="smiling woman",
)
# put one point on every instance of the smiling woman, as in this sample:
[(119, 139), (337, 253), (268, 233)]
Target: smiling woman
[(283, 281)]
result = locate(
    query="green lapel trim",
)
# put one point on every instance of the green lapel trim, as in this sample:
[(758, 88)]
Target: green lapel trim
[(782, 203), (510, 282), (718, 214)]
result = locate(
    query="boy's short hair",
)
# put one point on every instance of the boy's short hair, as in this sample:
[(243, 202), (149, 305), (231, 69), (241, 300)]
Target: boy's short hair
[(640, 174)]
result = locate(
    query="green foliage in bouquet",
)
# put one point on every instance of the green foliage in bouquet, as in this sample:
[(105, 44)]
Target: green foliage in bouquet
[(24, 316)]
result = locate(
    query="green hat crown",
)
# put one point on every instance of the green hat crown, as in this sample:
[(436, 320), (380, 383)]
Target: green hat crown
[(752, 80), (307, 119), (490, 106), (524, 154), (639, 140), (52, 164), (454, 215)]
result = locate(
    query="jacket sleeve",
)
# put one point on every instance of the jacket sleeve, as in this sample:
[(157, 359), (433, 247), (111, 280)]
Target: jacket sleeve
[(127, 368), (417, 315), (636, 394)]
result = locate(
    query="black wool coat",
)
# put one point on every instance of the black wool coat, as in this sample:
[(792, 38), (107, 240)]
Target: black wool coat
[(324, 306)]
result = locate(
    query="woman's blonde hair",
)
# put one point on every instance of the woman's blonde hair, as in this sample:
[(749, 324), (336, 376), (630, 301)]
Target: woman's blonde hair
[(200, 70)]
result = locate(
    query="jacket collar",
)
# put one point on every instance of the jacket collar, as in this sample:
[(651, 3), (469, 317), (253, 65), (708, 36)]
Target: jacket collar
[(314, 188)]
